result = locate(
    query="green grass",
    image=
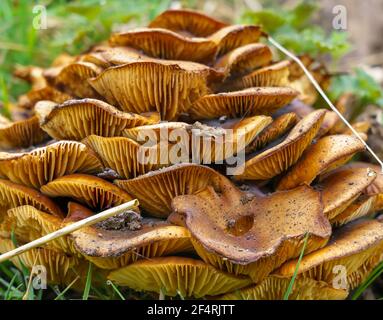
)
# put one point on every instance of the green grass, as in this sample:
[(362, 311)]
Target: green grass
[(292, 281), (368, 282)]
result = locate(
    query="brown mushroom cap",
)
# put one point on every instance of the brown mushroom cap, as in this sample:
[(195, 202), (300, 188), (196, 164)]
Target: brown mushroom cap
[(61, 268), (112, 249), (327, 154), (244, 59), (29, 100), (214, 143), (274, 287), (166, 44), (275, 75), (187, 21), (177, 275), (29, 223), (77, 119), (14, 195), (21, 134), (273, 131), (41, 165), (90, 190), (275, 160), (248, 102), (156, 190), (234, 36), (341, 188), (166, 87), (105, 56), (357, 246), (76, 212), (255, 236), (375, 189), (329, 122), (153, 131), (362, 206), (125, 156), (72, 79)]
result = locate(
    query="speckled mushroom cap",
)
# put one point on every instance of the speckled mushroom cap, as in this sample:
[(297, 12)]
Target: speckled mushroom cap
[(252, 236), (327, 154), (357, 246), (112, 249)]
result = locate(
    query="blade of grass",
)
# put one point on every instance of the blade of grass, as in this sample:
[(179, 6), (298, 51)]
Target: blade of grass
[(9, 289), (291, 284), (62, 293), (115, 289), (88, 282), (370, 279)]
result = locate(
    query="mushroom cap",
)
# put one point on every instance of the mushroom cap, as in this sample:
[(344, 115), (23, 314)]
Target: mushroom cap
[(77, 119), (376, 188), (125, 156), (274, 287), (187, 21), (21, 134), (248, 102), (166, 44), (49, 93), (329, 122), (273, 161), (167, 87), (357, 246), (361, 207), (61, 268), (39, 166), (273, 131), (341, 188), (112, 249), (325, 155), (234, 36), (14, 195), (90, 190), (274, 75), (360, 127), (72, 79), (29, 223), (244, 59), (105, 56), (214, 144), (156, 190), (177, 275), (252, 236), (76, 212), (155, 132)]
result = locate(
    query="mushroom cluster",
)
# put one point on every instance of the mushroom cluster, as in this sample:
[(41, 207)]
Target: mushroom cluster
[(158, 114)]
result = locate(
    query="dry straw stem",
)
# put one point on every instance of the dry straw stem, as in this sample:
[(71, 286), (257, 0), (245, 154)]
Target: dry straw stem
[(69, 229)]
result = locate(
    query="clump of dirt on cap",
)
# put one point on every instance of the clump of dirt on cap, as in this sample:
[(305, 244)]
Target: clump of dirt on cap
[(129, 220)]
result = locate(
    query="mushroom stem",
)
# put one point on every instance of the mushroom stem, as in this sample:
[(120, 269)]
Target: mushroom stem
[(69, 229)]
